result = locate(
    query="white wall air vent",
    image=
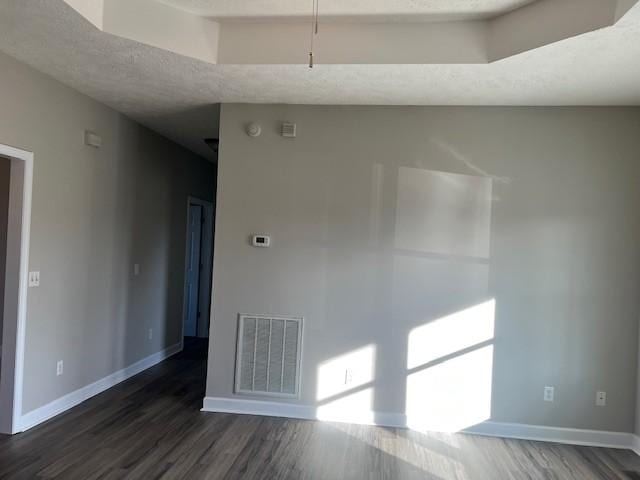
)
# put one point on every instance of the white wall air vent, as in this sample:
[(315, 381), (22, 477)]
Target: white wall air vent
[(268, 356), (289, 130)]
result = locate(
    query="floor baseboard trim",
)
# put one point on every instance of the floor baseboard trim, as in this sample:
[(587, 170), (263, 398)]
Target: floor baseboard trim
[(635, 443), (257, 407), (62, 404), (571, 436), (303, 412)]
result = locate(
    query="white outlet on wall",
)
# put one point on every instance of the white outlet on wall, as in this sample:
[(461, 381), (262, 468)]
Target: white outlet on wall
[(348, 376), (59, 368), (150, 333), (549, 394), (136, 269), (601, 399), (34, 279)]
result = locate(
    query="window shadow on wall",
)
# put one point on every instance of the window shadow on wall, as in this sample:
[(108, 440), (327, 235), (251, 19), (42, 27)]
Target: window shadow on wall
[(426, 361)]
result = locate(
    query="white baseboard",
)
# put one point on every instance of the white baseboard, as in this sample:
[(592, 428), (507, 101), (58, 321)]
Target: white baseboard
[(257, 407), (62, 404), (635, 444), (572, 436)]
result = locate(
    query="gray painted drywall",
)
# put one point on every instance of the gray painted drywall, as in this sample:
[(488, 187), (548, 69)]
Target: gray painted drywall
[(5, 179), (362, 248), (95, 213)]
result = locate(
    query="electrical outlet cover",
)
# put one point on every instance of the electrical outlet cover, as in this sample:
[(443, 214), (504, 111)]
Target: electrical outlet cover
[(34, 279)]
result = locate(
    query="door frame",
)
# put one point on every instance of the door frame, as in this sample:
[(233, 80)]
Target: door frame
[(13, 338), (206, 242)]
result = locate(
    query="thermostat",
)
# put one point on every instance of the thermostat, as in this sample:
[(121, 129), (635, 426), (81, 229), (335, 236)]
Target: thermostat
[(261, 241)]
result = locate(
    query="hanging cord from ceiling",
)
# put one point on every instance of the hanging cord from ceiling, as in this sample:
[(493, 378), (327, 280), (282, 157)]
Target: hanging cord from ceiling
[(314, 28)]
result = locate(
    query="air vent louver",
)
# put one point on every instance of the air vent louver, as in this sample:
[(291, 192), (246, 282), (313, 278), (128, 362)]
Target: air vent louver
[(289, 130), (268, 355)]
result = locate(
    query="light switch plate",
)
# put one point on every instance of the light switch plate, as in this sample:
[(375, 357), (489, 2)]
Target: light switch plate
[(34, 279)]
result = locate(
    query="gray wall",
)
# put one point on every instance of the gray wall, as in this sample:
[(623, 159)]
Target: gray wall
[(96, 213), (394, 230), (5, 179)]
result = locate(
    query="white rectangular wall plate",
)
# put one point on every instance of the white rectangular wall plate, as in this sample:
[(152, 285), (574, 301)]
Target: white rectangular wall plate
[(92, 139), (261, 241), (34, 279)]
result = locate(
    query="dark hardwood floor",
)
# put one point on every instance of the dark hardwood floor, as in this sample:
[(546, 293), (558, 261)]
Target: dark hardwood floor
[(151, 427)]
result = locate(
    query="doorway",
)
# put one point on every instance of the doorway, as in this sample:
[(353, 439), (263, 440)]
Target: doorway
[(198, 268), (16, 172)]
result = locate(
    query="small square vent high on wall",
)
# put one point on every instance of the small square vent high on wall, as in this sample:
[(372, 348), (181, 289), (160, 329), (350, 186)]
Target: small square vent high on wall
[(268, 356), (288, 130)]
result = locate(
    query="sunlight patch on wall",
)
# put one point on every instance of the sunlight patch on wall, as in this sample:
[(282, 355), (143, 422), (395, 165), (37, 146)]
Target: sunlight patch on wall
[(353, 408), (346, 372), (451, 334), (452, 395), (344, 387), (450, 364)]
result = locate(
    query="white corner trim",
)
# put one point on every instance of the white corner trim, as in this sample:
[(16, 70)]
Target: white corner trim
[(62, 404), (17, 344), (571, 436)]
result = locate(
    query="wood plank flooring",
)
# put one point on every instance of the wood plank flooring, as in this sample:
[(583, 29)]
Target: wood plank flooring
[(150, 427)]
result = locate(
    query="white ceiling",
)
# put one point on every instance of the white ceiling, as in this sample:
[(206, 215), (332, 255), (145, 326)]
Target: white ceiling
[(353, 9), (177, 95)]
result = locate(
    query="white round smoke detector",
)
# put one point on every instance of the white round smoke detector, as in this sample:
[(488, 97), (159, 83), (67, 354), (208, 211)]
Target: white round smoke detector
[(254, 129)]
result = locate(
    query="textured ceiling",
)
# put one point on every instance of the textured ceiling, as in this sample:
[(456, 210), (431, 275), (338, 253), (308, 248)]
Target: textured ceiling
[(349, 8), (176, 95)]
